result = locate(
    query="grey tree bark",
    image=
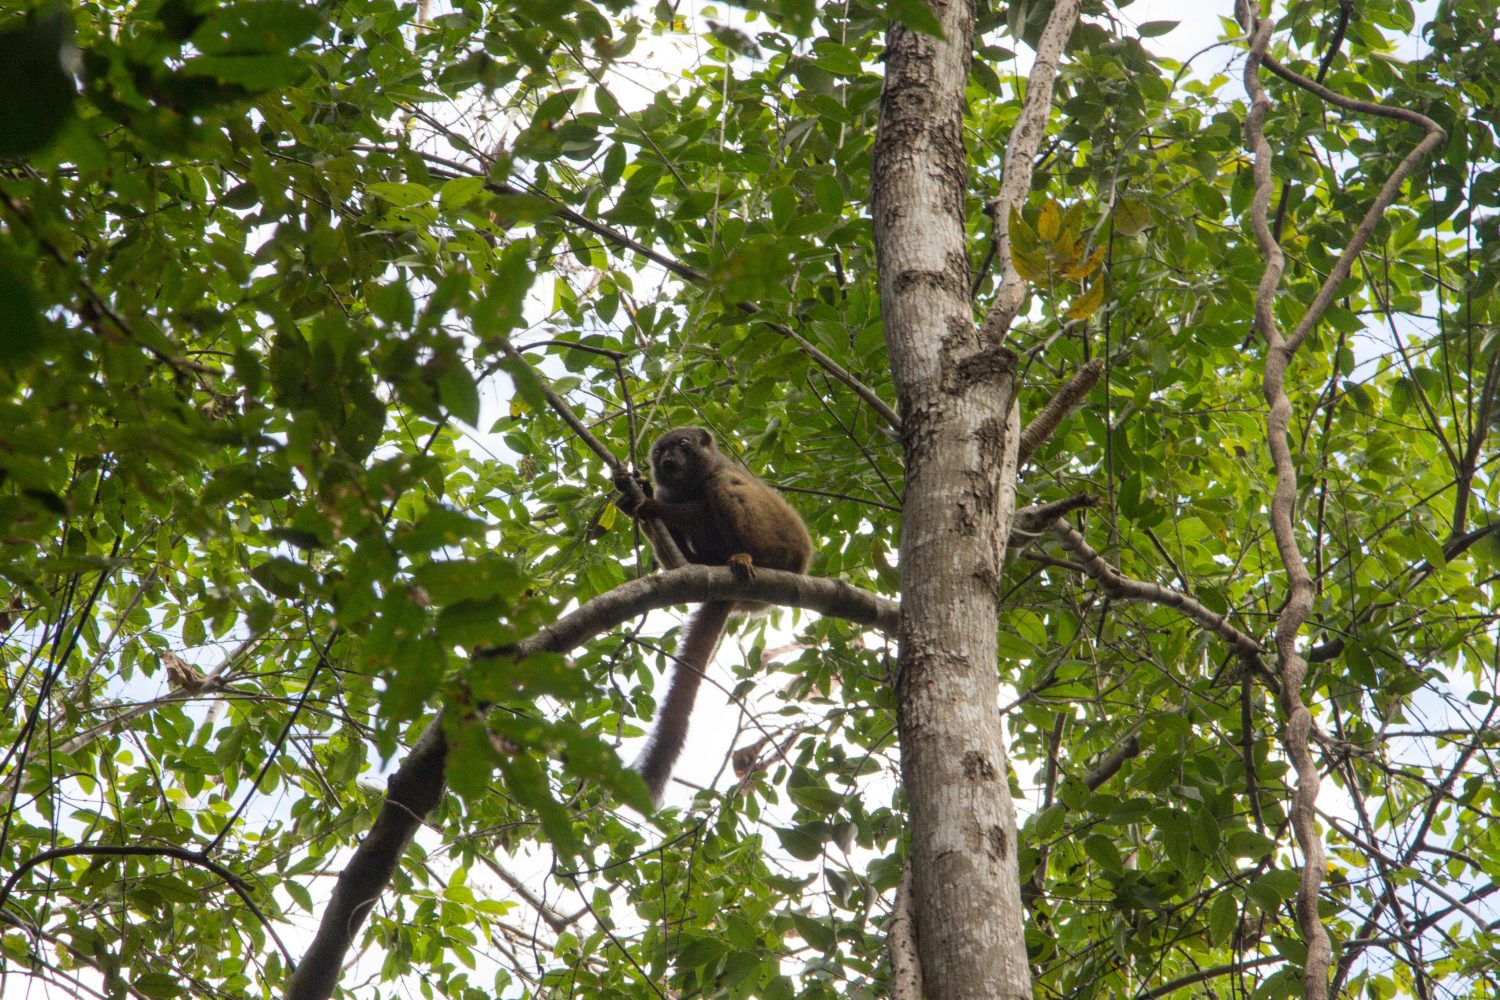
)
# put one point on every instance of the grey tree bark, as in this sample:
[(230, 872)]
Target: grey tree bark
[(960, 429), (956, 385)]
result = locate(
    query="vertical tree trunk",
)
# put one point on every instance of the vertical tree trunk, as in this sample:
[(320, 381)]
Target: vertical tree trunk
[(960, 431)]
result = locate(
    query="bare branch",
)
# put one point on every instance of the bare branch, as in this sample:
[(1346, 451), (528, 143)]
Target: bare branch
[(559, 922), (1020, 156), (661, 540), (1029, 522), (1383, 199), (901, 939), (1204, 975), (1036, 433), (706, 583), (1292, 666), (1109, 765), (1125, 588), (832, 367), (413, 791), (416, 787)]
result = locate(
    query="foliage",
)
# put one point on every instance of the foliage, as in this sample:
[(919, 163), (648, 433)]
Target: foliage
[(267, 476)]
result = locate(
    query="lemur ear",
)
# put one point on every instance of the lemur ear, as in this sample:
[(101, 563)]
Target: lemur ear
[(705, 439)]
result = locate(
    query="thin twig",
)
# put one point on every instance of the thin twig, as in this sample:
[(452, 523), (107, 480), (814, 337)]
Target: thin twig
[(198, 858), (1121, 587), (661, 540)]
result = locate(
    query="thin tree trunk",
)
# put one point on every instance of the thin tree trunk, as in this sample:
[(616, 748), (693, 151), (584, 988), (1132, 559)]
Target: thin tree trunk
[(960, 428)]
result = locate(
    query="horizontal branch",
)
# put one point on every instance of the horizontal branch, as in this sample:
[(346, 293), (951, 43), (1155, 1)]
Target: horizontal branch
[(693, 584), (1028, 522), (416, 787), (1122, 587)]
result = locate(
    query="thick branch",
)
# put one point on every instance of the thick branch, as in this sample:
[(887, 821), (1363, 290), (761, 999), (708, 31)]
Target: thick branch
[(1020, 157), (1029, 522), (413, 791), (901, 941), (706, 583), (416, 787)]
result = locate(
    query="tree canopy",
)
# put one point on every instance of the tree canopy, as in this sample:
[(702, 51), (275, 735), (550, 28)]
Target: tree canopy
[(325, 327)]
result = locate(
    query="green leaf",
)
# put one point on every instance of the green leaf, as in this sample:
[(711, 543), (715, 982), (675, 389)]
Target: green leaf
[(1104, 851), (1223, 918), (20, 320), (915, 14), (460, 191), (438, 528), (256, 73), (1274, 888), (1152, 29), (402, 194), (518, 208), (240, 197), (283, 577), (800, 842), (262, 26), (1131, 217), (469, 579), (458, 392)]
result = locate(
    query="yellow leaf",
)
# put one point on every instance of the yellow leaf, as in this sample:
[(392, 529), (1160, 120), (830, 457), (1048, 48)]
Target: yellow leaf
[(1085, 267), (1072, 224), (1030, 266), (1021, 235), (1050, 223), (1083, 307), (1131, 216), (1064, 251)]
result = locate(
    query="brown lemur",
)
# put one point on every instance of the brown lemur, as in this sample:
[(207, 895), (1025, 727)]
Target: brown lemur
[(718, 514)]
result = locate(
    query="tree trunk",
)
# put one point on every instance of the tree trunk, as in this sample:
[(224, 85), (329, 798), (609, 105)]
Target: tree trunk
[(960, 430)]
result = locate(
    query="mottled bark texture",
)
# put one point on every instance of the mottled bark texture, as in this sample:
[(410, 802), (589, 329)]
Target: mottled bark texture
[(960, 430)]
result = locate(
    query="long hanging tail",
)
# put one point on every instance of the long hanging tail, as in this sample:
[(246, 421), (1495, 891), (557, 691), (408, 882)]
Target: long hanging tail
[(699, 641)]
